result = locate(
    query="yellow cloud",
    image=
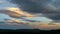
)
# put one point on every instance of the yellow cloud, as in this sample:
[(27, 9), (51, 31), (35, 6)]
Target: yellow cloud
[(19, 12)]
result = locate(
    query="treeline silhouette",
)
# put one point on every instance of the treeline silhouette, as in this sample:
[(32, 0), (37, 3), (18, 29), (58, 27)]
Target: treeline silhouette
[(30, 30)]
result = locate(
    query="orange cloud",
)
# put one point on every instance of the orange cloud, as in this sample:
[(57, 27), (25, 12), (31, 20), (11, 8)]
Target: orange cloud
[(19, 12), (46, 26)]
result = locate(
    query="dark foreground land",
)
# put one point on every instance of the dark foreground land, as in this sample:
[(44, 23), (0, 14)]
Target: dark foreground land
[(30, 30)]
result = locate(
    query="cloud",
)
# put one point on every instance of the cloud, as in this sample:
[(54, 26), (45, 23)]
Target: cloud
[(18, 25), (13, 25), (46, 26), (15, 12), (28, 5), (7, 12), (19, 12), (54, 16), (40, 6), (12, 21)]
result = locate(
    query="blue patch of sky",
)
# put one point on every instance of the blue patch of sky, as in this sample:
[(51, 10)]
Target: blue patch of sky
[(5, 3), (3, 16), (44, 19)]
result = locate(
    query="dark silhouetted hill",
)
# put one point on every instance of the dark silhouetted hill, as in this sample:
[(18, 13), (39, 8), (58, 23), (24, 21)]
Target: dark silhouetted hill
[(30, 30)]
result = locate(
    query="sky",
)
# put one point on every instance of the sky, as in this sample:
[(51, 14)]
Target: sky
[(5, 4), (48, 8)]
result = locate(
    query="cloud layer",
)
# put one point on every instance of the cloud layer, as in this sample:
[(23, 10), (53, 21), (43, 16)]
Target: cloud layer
[(40, 6)]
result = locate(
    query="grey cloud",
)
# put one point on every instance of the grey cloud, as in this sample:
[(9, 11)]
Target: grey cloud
[(40, 6), (32, 6), (55, 16)]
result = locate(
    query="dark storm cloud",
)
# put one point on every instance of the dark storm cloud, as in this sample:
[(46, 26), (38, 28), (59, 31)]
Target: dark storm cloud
[(36, 6), (33, 6), (55, 16), (40, 6)]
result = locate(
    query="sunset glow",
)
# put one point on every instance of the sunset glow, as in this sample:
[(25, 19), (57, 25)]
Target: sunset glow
[(19, 11)]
